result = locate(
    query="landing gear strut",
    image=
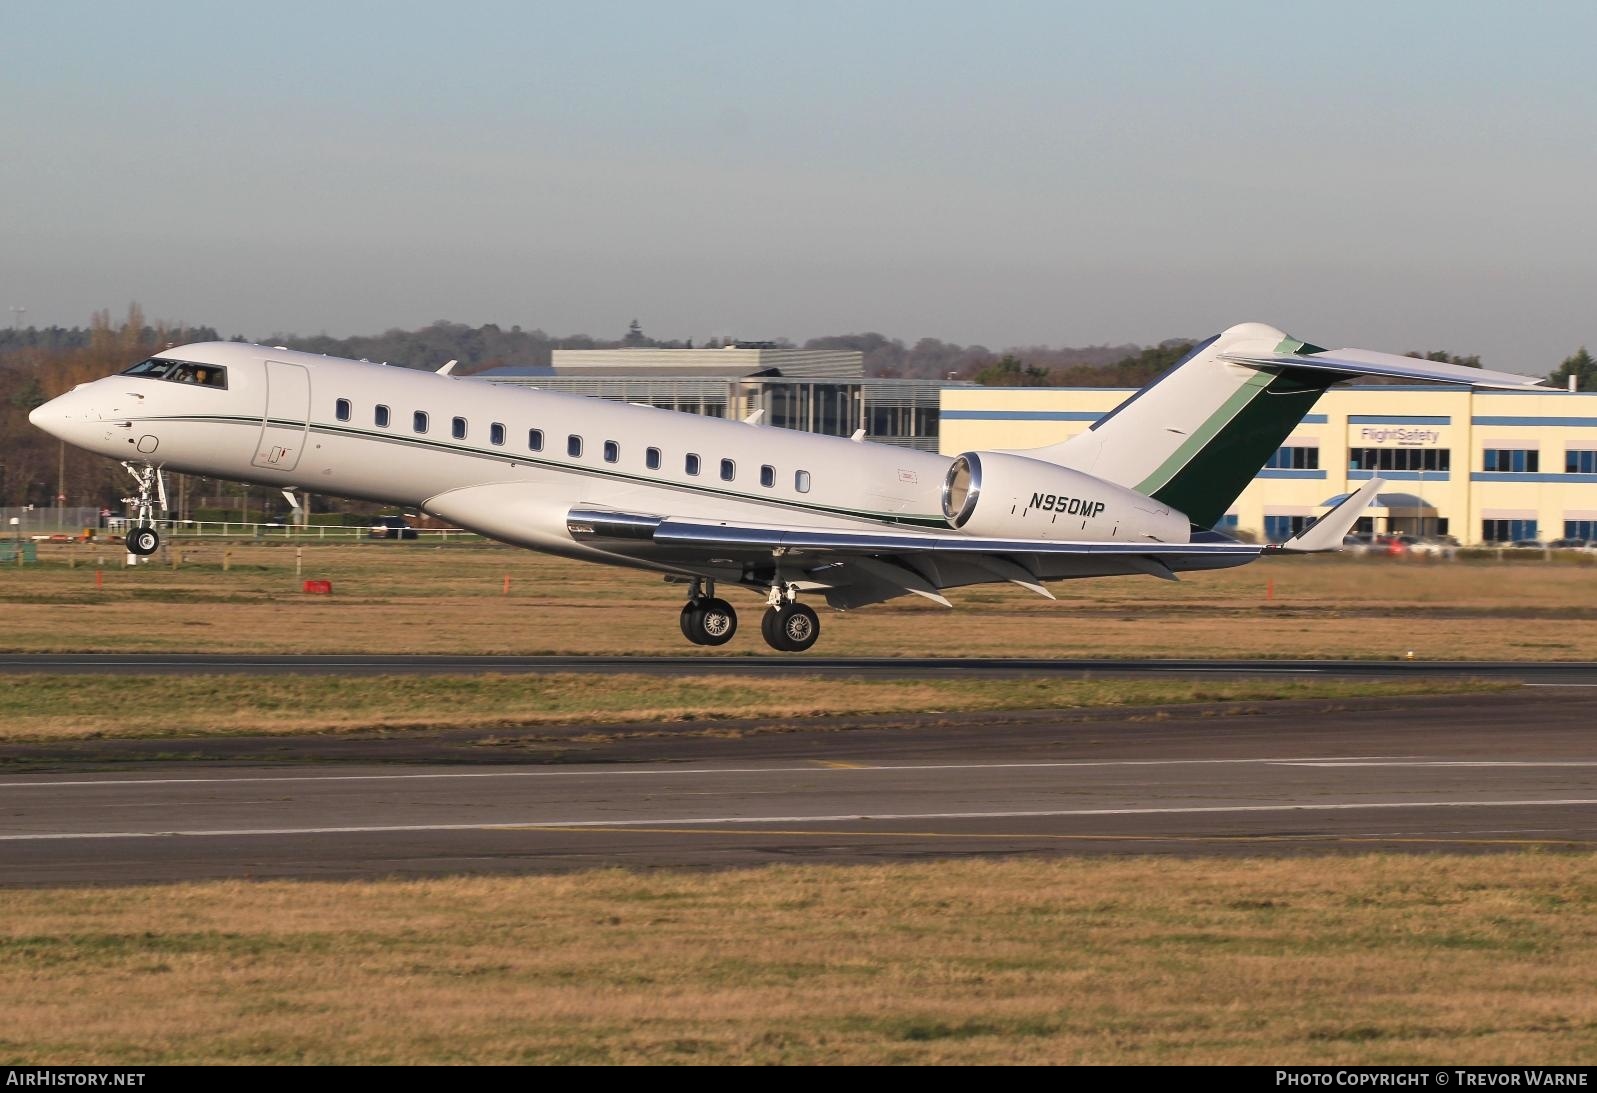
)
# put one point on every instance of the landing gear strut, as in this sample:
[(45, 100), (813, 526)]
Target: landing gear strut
[(143, 539), (707, 620)]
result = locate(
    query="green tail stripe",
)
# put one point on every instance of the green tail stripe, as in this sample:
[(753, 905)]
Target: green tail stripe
[(1214, 465)]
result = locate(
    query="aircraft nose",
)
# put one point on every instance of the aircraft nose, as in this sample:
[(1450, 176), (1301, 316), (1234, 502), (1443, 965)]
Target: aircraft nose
[(58, 416), (41, 414)]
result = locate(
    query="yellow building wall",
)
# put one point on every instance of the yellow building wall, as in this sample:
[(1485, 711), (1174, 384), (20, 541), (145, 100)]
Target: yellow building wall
[(1462, 422)]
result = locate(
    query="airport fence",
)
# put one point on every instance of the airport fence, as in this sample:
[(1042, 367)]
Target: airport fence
[(330, 533)]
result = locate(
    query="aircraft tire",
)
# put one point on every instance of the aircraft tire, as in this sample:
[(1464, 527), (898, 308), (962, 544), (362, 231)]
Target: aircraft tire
[(791, 628), (143, 541), (714, 622), (691, 628)]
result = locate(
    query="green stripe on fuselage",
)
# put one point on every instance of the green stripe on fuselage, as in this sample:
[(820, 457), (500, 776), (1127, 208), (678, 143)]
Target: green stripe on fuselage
[(1214, 465)]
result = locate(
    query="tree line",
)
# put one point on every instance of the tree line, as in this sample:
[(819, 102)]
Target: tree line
[(37, 364)]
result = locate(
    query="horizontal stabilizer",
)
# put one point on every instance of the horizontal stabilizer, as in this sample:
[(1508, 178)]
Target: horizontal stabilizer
[(1352, 363), (1328, 531)]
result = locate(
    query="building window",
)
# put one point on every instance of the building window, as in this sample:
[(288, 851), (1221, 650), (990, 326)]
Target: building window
[(767, 476), (1228, 522), (341, 409), (457, 428), (535, 439), (1580, 461), (418, 421), (1278, 529), (1295, 459), (1512, 461), (496, 433), (1580, 529), (574, 446), (801, 481), (380, 417), (612, 451), (1508, 531), (691, 463), (1400, 459), (651, 459)]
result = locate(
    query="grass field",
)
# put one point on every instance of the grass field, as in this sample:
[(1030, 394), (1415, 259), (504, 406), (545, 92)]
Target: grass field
[(409, 597), (39, 708), (1381, 959)]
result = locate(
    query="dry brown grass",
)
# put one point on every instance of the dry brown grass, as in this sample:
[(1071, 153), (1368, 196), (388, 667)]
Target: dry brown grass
[(37, 708), (421, 598), (1380, 959)]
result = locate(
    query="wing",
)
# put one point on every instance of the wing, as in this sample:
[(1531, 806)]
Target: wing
[(858, 567)]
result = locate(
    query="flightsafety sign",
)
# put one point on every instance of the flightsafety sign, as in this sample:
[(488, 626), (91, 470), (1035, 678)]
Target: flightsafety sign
[(1396, 436)]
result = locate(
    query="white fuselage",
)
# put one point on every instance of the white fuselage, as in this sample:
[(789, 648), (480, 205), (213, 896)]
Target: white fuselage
[(301, 421), (513, 463)]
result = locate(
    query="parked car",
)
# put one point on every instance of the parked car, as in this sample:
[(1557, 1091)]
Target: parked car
[(1435, 546), (1529, 544), (390, 527), (1572, 544)]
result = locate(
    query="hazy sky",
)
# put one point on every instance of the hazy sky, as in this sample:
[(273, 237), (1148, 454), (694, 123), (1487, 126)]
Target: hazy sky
[(1387, 175)]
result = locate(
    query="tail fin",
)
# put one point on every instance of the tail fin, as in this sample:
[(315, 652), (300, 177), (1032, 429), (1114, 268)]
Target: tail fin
[(1198, 434)]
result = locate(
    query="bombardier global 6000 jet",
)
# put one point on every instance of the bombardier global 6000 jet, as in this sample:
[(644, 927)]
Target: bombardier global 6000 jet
[(715, 503)]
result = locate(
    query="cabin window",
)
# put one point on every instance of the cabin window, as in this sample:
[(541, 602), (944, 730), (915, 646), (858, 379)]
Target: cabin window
[(651, 458), (380, 417), (341, 409), (612, 451), (767, 476), (535, 439), (457, 428), (729, 470), (419, 421), (496, 433), (691, 464), (574, 446), (801, 481)]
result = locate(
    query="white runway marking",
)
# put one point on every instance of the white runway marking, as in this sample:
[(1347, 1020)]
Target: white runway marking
[(677, 771), (739, 821), (1440, 763)]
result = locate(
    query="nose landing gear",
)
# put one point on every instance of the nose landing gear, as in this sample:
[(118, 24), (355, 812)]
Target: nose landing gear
[(143, 539)]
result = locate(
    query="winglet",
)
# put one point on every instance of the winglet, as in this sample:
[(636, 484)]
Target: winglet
[(447, 368), (1327, 532), (754, 417)]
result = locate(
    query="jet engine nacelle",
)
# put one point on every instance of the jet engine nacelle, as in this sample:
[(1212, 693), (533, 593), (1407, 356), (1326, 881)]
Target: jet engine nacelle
[(1002, 496)]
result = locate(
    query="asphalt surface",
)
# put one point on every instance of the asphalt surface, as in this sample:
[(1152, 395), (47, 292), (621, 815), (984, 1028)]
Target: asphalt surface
[(1473, 773), (768, 665)]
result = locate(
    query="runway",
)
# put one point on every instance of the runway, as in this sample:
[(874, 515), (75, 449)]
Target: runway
[(1569, 672), (1474, 773)]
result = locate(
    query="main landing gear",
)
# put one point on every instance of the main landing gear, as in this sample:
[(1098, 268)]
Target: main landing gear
[(787, 625), (705, 619), (790, 628), (143, 539)]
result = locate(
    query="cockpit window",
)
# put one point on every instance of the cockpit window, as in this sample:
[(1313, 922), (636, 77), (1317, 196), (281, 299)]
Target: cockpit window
[(201, 375)]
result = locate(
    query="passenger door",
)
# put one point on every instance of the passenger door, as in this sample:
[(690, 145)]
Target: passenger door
[(287, 419)]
